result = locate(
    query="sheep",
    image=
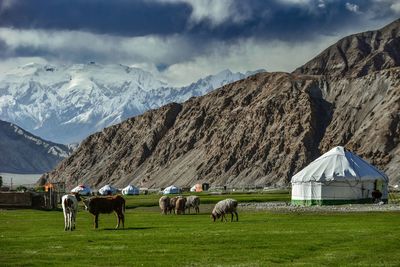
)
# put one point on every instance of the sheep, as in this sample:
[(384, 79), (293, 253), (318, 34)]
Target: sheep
[(228, 205), (164, 204), (69, 205), (193, 201), (172, 204), (180, 205)]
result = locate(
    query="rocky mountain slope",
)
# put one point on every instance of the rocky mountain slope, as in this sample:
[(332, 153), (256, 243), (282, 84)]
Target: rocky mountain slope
[(67, 103), (22, 152), (260, 130), (359, 54)]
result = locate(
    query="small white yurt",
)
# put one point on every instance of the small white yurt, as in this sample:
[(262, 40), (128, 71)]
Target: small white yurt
[(107, 190), (171, 190), (338, 177), (130, 190), (82, 190)]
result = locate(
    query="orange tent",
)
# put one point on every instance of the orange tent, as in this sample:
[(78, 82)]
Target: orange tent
[(198, 187)]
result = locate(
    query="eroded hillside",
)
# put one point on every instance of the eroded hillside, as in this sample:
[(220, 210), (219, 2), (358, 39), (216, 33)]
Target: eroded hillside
[(260, 130)]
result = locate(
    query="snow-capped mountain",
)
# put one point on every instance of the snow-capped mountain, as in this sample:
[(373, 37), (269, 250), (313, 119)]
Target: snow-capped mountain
[(23, 152), (66, 103)]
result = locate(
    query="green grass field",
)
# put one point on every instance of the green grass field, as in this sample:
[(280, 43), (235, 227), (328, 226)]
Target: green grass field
[(37, 238)]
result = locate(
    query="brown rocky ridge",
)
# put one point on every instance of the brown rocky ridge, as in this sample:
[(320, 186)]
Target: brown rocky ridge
[(260, 130)]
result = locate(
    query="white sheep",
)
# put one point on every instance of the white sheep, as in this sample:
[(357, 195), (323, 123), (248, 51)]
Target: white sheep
[(225, 206), (193, 201)]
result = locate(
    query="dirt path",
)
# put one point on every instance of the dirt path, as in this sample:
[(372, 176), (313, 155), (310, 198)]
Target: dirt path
[(286, 207)]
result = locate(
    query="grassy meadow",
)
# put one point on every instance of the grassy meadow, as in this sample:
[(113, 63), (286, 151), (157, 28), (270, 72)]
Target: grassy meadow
[(260, 238)]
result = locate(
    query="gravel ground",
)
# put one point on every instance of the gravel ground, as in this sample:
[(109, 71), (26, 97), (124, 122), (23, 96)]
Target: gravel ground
[(287, 207)]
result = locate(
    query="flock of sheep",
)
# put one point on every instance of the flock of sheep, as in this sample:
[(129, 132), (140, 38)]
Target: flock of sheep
[(177, 205)]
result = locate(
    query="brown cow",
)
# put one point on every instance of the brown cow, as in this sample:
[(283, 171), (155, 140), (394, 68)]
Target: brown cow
[(97, 205)]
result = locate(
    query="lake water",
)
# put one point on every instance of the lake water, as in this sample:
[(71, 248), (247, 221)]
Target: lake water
[(19, 179)]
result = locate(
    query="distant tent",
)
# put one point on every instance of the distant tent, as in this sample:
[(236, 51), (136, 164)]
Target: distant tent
[(130, 190), (338, 177), (82, 190), (171, 190), (107, 190), (196, 188)]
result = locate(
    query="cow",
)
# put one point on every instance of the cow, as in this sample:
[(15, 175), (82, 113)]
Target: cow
[(97, 205), (69, 205)]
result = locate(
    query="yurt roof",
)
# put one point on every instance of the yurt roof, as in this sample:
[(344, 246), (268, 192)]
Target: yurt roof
[(338, 164), (107, 187), (131, 187), (81, 188)]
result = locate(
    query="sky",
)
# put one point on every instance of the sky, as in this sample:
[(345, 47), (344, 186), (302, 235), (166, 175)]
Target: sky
[(180, 41)]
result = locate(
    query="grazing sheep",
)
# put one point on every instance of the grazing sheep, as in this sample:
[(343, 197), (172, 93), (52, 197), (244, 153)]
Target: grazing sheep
[(164, 204), (180, 205), (172, 204), (225, 206), (69, 205), (193, 201)]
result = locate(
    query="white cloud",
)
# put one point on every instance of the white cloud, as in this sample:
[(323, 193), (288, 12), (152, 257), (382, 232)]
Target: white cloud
[(297, 2), (184, 61), (352, 7), (321, 4), (216, 11), (72, 45), (394, 5), (248, 54)]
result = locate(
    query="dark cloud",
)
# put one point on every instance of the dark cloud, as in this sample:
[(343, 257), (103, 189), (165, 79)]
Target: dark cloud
[(274, 19), (184, 39), (116, 17)]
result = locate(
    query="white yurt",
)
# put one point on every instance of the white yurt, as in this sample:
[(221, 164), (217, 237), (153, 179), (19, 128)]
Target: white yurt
[(130, 190), (82, 190), (338, 177), (171, 190), (107, 190)]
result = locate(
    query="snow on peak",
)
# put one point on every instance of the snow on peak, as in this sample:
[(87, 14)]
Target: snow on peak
[(66, 103)]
